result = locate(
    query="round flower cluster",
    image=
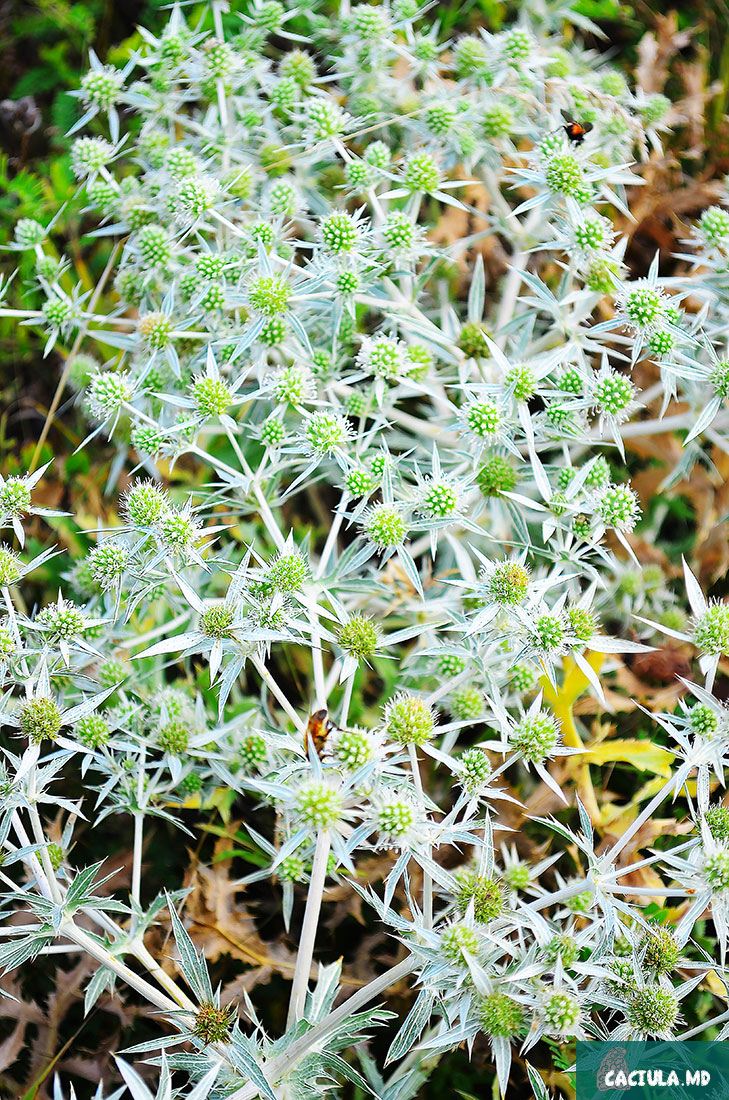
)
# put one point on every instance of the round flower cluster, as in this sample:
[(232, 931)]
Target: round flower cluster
[(174, 738), (359, 483), (399, 231), (395, 818), (29, 232), (613, 394), (717, 820), (439, 499), (102, 86), (269, 294), (212, 1024), (340, 232), (716, 870), (472, 341), (458, 941), (496, 476), (711, 630), (422, 173), (564, 175), (618, 507), (408, 720), (144, 503), (212, 396), (62, 620), (325, 119), (474, 770), (319, 805), (703, 721), (563, 947), (485, 894), (10, 566), (593, 232), (506, 583), (353, 747), (501, 1017), (359, 637), (216, 621), (253, 751), (89, 155), (561, 1013), (483, 418), (517, 44), (326, 432), (288, 572), (497, 121), (93, 731), (643, 305), (107, 393), (178, 531), (156, 328), (467, 703), (383, 356), (661, 951), (39, 719), (653, 1011), (714, 225), (536, 736), (582, 623), (549, 632), (107, 563), (385, 527), (291, 869), (522, 381)]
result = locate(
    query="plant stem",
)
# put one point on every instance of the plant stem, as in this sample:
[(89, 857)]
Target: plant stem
[(512, 285), (427, 880), (317, 661), (332, 536), (346, 699), (137, 857), (39, 837), (277, 692), (84, 940), (141, 953), (308, 931), (41, 873), (317, 1035), (703, 1026)]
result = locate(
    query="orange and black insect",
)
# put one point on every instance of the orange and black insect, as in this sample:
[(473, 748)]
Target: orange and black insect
[(576, 132), (318, 729)]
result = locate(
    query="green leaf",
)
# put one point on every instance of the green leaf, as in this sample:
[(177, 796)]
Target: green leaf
[(192, 965), (412, 1027)]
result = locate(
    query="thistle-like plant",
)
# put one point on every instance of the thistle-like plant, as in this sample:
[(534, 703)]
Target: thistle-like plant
[(384, 484)]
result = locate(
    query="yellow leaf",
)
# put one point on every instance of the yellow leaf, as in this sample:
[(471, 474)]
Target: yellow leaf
[(715, 984), (574, 681), (562, 700), (221, 800), (641, 754)]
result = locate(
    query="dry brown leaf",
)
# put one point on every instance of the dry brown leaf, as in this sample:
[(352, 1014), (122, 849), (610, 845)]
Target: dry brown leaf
[(644, 838), (656, 49), (698, 93), (661, 697)]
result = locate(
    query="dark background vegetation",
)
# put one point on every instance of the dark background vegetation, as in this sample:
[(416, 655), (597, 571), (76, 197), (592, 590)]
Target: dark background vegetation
[(44, 47)]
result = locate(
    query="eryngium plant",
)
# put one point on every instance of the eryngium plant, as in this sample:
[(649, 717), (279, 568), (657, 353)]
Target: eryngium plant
[(276, 314)]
